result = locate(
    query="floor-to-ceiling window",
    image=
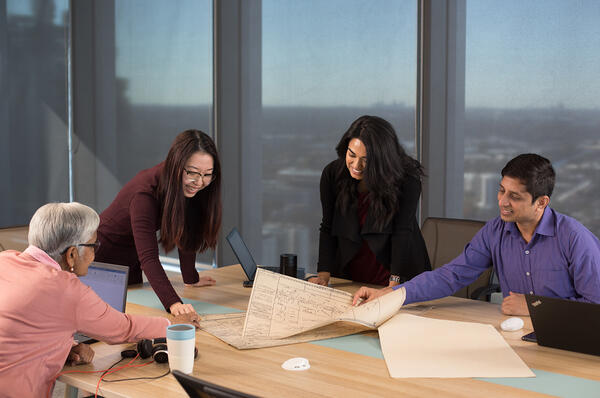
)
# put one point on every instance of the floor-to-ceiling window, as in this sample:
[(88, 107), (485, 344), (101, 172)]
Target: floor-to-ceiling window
[(325, 63), (531, 85), (33, 107), (163, 74), (142, 72)]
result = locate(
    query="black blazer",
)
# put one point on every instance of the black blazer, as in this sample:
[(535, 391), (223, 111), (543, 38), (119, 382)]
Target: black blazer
[(399, 246)]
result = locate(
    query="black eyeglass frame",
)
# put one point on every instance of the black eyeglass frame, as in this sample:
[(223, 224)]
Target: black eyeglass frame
[(95, 245), (199, 176)]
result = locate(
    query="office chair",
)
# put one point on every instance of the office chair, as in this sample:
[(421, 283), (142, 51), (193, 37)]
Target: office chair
[(445, 239), (14, 238), (493, 286)]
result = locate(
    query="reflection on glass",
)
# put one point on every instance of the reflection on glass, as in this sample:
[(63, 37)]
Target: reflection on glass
[(163, 67), (33, 118), (324, 63), (532, 86), (163, 64)]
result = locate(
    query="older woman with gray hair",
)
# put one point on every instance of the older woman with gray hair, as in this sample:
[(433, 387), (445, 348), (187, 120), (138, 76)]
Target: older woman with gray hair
[(43, 303)]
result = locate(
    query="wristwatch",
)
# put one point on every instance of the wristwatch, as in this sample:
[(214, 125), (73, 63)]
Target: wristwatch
[(395, 278)]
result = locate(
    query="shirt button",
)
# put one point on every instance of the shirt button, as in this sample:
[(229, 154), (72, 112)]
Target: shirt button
[(526, 251), (531, 292), (527, 273)]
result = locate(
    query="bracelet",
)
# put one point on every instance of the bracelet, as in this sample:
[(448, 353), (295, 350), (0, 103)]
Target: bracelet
[(395, 278)]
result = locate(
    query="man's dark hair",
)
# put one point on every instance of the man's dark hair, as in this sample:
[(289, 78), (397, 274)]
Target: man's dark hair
[(534, 171)]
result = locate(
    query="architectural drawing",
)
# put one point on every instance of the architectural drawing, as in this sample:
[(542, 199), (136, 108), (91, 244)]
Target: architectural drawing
[(282, 306), (285, 310), (228, 328)]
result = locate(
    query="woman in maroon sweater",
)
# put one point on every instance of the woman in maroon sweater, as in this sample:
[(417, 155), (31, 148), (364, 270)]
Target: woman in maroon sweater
[(181, 197)]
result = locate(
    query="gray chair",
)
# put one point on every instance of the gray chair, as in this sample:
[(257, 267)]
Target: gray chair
[(445, 239)]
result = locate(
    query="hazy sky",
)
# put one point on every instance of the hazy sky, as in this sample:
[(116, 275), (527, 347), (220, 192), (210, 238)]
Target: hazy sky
[(165, 51), (339, 52), (534, 53)]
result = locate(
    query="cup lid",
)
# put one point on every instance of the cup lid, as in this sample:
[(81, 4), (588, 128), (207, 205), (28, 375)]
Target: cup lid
[(181, 331)]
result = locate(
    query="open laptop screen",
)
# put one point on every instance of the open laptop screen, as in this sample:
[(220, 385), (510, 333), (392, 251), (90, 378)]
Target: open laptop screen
[(198, 388), (109, 281), (565, 324), (242, 253)]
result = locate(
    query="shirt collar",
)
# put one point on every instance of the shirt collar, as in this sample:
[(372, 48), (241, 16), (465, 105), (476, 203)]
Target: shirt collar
[(42, 257), (545, 226)]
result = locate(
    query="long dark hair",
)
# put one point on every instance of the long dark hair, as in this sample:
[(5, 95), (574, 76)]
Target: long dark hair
[(387, 167), (189, 223)]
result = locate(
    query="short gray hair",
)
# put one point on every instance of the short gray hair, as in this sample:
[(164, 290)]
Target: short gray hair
[(57, 226)]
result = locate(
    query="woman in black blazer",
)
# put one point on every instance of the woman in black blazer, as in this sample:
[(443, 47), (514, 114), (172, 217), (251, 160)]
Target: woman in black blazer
[(369, 231)]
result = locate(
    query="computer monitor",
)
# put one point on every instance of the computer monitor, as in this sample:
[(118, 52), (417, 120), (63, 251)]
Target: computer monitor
[(198, 388)]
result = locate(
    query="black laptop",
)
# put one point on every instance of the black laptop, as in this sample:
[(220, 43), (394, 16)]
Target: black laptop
[(246, 260), (565, 324), (109, 281), (198, 388)]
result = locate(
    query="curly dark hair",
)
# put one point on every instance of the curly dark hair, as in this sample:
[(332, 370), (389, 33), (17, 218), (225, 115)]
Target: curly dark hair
[(387, 167)]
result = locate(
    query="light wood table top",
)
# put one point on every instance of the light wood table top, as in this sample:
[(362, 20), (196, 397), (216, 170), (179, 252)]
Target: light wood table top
[(333, 372)]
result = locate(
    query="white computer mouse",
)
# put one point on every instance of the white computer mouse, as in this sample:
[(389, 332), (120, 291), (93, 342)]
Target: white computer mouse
[(512, 324), (296, 364)]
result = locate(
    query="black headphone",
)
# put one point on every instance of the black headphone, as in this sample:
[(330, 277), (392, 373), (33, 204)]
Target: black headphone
[(156, 348)]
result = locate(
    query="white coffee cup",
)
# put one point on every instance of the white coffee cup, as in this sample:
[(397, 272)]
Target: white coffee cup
[(181, 341)]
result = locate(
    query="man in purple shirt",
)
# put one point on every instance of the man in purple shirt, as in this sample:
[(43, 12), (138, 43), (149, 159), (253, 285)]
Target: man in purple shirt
[(533, 248)]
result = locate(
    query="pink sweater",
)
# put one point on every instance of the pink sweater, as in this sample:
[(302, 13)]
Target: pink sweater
[(41, 307)]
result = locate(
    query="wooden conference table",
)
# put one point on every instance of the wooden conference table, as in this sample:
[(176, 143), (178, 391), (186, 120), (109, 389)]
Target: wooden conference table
[(334, 372)]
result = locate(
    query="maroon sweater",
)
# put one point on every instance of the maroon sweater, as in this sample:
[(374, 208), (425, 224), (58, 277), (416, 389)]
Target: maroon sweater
[(127, 233), (364, 267)]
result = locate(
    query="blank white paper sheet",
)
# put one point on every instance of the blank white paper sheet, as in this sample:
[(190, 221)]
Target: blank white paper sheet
[(415, 346)]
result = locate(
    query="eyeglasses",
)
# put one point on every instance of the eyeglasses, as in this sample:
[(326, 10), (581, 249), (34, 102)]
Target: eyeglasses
[(195, 176), (95, 245)]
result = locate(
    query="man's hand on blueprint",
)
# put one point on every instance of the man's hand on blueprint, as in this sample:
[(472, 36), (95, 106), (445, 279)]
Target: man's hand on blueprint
[(366, 294)]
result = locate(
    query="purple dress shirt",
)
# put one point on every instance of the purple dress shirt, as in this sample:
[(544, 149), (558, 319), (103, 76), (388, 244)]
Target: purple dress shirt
[(561, 260)]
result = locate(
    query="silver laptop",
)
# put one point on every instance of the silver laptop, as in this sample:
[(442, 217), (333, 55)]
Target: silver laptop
[(109, 281)]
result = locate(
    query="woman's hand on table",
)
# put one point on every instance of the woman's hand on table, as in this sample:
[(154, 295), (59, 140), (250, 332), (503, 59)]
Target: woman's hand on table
[(191, 318), (204, 281), (321, 279), (180, 308), (318, 280)]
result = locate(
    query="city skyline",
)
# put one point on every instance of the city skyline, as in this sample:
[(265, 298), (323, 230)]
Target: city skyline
[(534, 54), (296, 141)]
